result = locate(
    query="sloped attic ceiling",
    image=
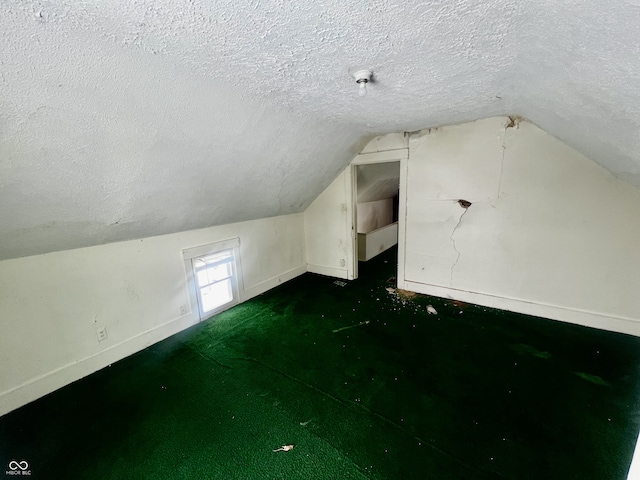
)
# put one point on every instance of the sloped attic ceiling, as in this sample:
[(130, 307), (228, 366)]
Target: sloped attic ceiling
[(124, 119)]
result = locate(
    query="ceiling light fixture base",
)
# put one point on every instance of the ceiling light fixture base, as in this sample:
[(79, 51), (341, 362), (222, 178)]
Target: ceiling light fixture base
[(362, 78)]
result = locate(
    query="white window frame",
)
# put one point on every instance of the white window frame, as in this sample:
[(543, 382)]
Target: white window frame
[(190, 254)]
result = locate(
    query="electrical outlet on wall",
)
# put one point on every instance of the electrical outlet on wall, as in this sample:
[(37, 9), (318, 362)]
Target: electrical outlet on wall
[(102, 334), (183, 309)]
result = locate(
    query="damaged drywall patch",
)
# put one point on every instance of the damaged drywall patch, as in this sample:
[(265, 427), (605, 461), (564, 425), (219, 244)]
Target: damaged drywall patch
[(465, 204), (417, 134), (513, 121)]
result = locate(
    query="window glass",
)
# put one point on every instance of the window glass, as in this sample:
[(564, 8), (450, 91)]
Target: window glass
[(215, 280)]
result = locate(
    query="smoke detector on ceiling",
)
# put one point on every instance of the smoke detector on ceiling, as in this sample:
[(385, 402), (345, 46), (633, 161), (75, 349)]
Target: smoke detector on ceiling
[(362, 78)]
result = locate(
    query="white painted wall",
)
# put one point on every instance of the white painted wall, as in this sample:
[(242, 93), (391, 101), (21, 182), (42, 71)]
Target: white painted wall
[(377, 241), (328, 223), (374, 215), (548, 233), (53, 304)]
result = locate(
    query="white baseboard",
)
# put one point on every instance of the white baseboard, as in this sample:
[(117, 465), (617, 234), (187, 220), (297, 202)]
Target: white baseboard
[(44, 384), (602, 321), (328, 271)]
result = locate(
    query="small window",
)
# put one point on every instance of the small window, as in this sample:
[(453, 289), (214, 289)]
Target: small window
[(215, 280), (213, 276)]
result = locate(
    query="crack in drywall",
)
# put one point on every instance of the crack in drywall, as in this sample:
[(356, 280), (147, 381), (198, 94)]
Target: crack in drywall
[(514, 122), (465, 205), (504, 149)]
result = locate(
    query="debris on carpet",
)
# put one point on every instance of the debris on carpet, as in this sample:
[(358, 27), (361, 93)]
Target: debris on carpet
[(284, 448)]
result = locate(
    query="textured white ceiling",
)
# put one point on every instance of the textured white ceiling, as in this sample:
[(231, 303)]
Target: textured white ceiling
[(128, 118)]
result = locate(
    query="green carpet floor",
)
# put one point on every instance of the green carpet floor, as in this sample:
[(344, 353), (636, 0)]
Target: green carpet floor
[(365, 384)]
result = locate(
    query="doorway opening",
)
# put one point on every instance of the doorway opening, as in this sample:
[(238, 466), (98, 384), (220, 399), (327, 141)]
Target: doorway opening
[(376, 194)]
